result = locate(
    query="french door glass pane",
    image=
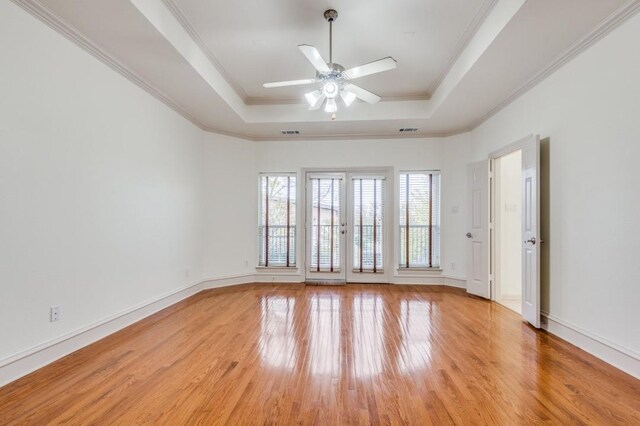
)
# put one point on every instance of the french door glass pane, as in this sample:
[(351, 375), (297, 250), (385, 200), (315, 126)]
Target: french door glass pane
[(367, 220), (325, 226)]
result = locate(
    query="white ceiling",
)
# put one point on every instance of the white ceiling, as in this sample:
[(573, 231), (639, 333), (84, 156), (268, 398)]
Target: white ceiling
[(422, 35), (458, 60)]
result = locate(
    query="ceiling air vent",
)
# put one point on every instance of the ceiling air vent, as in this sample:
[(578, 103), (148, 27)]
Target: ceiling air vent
[(290, 132), (408, 129)]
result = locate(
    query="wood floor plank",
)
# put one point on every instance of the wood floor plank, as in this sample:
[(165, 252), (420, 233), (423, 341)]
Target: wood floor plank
[(355, 354)]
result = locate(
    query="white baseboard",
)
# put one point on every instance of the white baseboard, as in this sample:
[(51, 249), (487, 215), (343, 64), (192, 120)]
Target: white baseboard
[(25, 362), (227, 280), (611, 353), (455, 282), (278, 278), (426, 279), (430, 280)]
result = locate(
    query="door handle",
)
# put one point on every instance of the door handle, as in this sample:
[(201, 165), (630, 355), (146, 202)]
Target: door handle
[(469, 235), (531, 240)]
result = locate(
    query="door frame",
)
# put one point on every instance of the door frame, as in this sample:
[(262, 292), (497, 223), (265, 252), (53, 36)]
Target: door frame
[(341, 274), (389, 218), (520, 144)]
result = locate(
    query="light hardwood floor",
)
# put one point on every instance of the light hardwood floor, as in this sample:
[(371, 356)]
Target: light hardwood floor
[(359, 354)]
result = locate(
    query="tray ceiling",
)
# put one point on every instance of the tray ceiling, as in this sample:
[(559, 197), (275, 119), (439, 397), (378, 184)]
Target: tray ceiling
[(459, 61)]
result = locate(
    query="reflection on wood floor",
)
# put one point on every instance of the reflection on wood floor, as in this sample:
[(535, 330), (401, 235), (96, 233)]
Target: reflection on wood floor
[(284, 354)]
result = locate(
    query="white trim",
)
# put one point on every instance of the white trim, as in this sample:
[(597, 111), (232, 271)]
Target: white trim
[(278, 278), (455, 282), (47, 16), (25, 362), (418, 279), (611, 353), (226, 281), (610, 23)]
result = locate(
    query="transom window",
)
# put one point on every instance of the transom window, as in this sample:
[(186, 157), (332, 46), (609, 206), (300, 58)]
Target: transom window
[(419, 228), (277, 223)]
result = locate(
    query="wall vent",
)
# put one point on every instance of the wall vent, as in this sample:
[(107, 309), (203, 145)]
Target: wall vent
[(408, 129), (290, 132)]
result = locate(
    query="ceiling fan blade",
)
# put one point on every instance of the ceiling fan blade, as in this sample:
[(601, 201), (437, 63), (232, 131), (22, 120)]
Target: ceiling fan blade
[(289, 83), (314, 57), (384, 64), (363, 94)]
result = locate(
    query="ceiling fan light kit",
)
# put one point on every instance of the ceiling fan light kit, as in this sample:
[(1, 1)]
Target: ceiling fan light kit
[(334, 77)]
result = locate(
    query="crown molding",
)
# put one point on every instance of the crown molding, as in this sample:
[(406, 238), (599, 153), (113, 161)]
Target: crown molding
[(55, 22), (359, 136), (177, 10), (607, 25), (299, 101), (341, 136), (51, 19), (472, 28)]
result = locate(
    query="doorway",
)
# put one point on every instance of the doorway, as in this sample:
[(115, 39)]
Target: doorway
[(346, 232), (507, 230)]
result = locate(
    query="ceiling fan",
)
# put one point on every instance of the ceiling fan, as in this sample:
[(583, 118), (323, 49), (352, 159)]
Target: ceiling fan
[(334, 78)]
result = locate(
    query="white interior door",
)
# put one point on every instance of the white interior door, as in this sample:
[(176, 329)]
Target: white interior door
[(325, 227), (531, 231), (478, 233)]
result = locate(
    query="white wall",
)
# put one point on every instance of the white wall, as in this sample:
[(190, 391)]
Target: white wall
[(508, 225), (100, 188), (588, 110), (400, 154), (231, 197), (109, 199)]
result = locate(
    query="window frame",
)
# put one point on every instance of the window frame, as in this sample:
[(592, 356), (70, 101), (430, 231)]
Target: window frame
[(260, 242), (435, 249)]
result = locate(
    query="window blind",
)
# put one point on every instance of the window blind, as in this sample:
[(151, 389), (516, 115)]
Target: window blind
[(277, 223), (419, 228), (325, 226), (368, 235)]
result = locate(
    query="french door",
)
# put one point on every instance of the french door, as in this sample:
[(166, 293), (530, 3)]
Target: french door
[(326, 227), (346, 227)]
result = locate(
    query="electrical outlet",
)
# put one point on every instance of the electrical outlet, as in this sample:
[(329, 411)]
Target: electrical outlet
[(453, 266), (186, 273), (246, 263), (55, 313)]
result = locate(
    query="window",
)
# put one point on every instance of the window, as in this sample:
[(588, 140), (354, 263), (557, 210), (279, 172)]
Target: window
[(277, 224), (419, 220)]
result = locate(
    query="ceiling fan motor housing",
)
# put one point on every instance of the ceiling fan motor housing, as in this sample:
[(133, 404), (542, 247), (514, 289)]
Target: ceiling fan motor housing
[(331, 15)]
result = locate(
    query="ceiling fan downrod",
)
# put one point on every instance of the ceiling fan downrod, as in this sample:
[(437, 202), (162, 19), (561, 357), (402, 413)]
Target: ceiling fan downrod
[(331, 15)]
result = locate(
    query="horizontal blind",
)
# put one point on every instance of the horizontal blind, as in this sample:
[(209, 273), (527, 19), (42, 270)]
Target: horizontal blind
[(325, 225), (419, 228), (277, 223), (368, 219)]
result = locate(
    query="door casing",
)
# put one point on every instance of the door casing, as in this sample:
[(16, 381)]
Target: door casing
[(389, 220), (530, 146)]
